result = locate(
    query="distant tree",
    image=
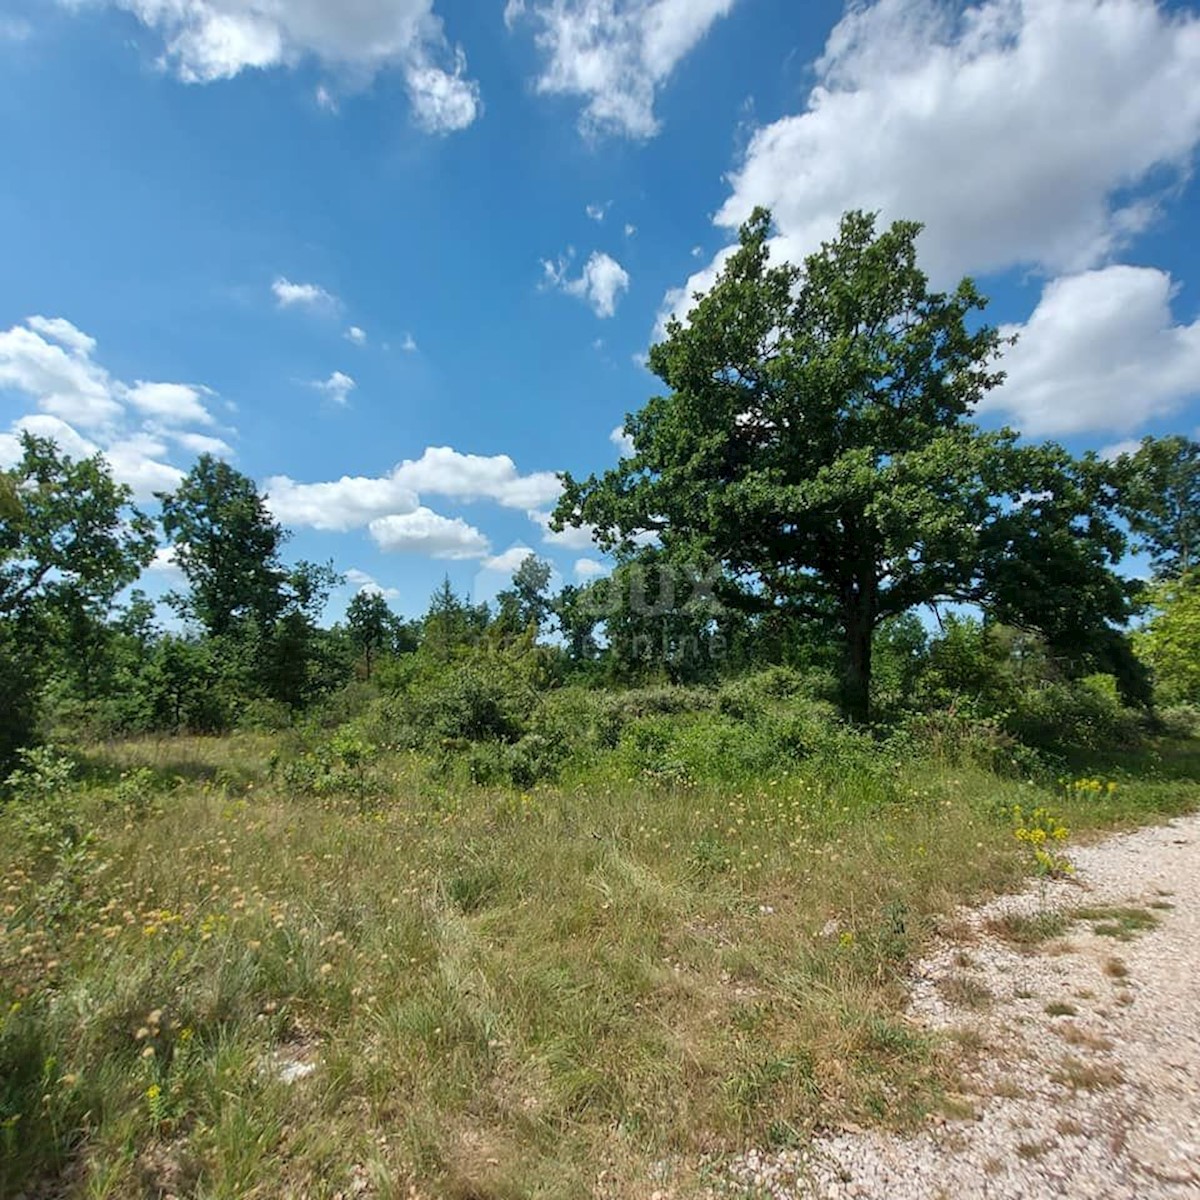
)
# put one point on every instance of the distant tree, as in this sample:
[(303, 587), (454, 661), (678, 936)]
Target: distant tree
[(69, 535), (70, 541), (289, 650), (451, 623), (815, 441), (227, 545), (1170, 640), (527, 603), (370, 623), (578, 616), (1160, 498)]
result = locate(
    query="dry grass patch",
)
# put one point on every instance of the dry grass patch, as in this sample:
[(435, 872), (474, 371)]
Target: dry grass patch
[(1081, 1075)]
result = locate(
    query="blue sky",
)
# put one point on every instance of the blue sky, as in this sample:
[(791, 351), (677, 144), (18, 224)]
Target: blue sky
[(399, 259)]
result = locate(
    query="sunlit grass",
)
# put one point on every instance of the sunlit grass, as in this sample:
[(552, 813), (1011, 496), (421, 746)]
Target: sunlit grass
[(566, 991)]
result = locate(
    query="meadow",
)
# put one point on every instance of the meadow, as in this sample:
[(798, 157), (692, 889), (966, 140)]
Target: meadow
[(316, 962)]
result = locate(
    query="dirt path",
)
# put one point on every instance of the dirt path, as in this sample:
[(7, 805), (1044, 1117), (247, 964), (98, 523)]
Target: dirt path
[(1082, 1052)]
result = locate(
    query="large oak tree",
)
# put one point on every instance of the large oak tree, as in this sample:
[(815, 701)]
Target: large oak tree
[(815, 438)]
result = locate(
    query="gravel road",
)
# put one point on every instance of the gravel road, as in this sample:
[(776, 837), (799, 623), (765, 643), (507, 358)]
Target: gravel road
[(1082, 1065)]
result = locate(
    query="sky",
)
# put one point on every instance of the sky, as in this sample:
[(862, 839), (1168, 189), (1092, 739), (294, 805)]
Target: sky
[(400, 261)]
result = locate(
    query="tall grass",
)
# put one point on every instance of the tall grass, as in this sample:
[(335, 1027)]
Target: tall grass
[(680, 948)]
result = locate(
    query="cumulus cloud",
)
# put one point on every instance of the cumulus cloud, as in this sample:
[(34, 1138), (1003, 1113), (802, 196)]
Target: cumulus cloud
[(601, 284), (623, 442), (409, 345), (356, 335), (354, 501), (165, 562), (63, 379), (363, 582), (339, 505), (209, 40), (597, 212), (508, 562), (302, 295), (570, 538), (1101, 353), (1018, 130), (85, 410), (426, 532), (614, 54), (589, 568), (202, 443), (337, 387), (171, 403), (67, 438), (443, 101)]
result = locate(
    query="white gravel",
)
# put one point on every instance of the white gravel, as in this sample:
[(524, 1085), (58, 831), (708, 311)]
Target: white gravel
[(1102, 1102)]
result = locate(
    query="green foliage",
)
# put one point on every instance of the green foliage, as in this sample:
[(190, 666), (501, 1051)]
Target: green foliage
[(72, 537), (227, 545), (1160, 497), (1170, 640), (815, 441)]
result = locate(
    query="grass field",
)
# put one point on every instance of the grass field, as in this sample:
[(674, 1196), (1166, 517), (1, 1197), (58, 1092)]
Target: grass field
[(213, 984)]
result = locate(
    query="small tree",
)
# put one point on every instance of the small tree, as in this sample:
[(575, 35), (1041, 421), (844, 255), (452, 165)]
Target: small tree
[(1170, 640), (1160, 498), (369, 620), (70, 541), (227, 545)]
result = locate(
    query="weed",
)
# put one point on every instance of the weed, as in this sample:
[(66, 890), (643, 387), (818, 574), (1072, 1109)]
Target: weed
[(1059, 1008), (1079, 1075), (1027, 931), (1122, 924), (965, 991)]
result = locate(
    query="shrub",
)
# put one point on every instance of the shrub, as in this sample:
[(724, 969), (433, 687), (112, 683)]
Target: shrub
[(1081, 714)]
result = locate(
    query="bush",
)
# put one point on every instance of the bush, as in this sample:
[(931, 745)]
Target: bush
[(1081, 714), (1181, 721)]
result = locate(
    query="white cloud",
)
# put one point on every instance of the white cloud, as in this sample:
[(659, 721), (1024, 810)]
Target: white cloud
[(59, 329), (352, 502), (409, 345), (303, 295), (326, 100), (202, 443), (347, 503), (589, 568), (356, 335), (597, 212), (137, 461), (1015, 129), (337, 387), (165, 562), (68, 440), (65, 382), (569, 538), (1101, 352), (171, 403), (85, 410), (365, 583), (209, 40), (425, 532), (630, 230), (615, 54), (1128, 446), (623, 442), (445, 472), (601, 284), (510, 561), (443, 101)]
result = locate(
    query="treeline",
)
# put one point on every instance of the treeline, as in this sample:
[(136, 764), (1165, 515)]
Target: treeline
[(809, 479)]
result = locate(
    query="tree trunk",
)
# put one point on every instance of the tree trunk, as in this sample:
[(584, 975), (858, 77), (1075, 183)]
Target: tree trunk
[(856, 685)]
